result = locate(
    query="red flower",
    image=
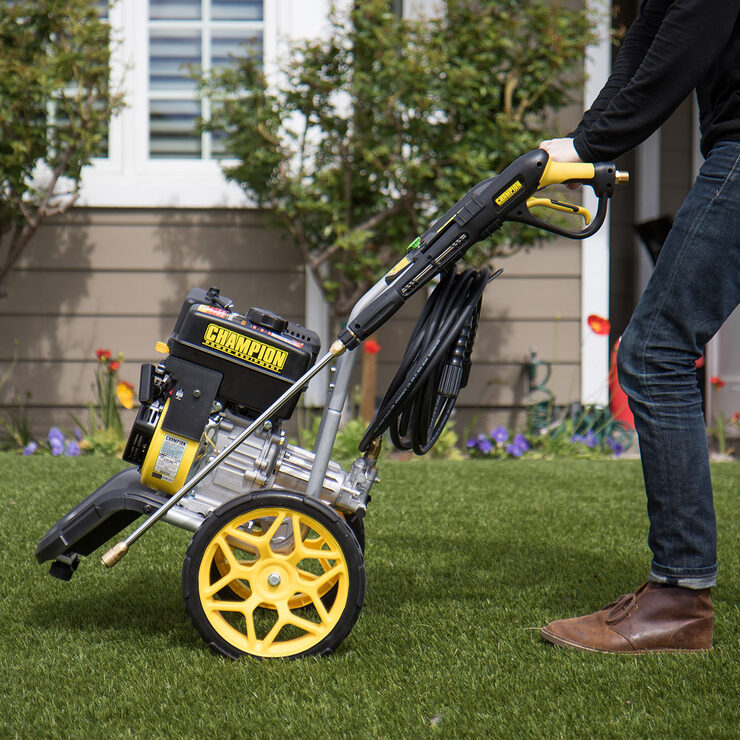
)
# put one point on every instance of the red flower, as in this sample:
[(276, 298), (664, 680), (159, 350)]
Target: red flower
[(103, 355), (736, 417), (717, 382), (699, 363), (372, 347), (113, 366), (599, 325)]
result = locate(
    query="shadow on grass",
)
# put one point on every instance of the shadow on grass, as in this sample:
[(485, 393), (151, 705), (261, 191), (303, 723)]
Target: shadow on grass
[(137, 604), (418, 574)]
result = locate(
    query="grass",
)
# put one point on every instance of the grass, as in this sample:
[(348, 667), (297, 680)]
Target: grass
[(464, 561)]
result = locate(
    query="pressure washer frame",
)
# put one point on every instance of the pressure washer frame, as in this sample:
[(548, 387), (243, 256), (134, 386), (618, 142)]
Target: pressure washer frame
[(506, 197)]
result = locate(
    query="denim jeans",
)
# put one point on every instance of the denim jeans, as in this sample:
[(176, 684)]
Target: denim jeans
[(695, 286)]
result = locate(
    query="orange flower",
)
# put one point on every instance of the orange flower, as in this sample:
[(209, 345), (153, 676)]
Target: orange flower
[(599, 325), (717, 382), (699, 363), (125, 394), (103, 355), (113, 366), (372, 347), (736, 417)]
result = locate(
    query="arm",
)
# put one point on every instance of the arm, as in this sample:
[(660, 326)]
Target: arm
[(631, 53), (687, 42)]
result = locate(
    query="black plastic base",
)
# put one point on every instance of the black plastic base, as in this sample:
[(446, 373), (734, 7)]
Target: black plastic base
[(102, 515)]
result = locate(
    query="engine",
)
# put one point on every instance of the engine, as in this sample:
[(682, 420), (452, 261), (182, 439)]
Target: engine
[(223, 369)]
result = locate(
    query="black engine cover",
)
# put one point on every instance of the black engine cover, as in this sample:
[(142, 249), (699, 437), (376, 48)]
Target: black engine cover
[(258, 363)]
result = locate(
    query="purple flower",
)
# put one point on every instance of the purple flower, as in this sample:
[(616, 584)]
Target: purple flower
[(617, 448), (522, 442), (472, 442), (30, 448), (500, 435), (484, 444), (591, 439), (56, 433), (56, 445), (72, 449), (578, 438), (78, 434), (515, 450)]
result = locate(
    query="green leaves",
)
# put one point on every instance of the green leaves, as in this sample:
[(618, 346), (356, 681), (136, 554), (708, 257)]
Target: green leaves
[(55, 104), (369, 133)]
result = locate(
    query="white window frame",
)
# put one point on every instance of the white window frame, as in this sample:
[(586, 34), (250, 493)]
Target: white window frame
[(128, 177)]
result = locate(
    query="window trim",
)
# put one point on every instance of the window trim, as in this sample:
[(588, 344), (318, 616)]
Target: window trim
[(128, 177)]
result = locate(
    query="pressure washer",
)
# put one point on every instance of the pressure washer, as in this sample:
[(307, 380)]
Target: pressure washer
[(275, 566)]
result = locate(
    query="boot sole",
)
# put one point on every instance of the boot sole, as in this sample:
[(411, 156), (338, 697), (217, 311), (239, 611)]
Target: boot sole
[(555, 640)]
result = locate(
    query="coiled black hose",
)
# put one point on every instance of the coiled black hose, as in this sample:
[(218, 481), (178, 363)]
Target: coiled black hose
[(435, 365)]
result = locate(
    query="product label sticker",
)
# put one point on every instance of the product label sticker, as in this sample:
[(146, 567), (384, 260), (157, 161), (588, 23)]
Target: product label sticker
[(245, 348), (170, 456)]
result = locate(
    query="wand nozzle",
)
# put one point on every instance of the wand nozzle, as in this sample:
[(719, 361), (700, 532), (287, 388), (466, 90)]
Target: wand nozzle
[(621, 177), (114, 555)]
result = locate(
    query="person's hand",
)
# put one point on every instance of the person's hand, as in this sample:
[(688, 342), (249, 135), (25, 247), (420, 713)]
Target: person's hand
[(561, 150)]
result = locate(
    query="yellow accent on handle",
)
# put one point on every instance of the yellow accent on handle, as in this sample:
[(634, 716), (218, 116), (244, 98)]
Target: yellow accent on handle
[(558, 172), (557, 205), (162, 348)]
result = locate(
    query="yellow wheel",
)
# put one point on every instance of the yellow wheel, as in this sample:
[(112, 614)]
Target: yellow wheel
[(273, 574)]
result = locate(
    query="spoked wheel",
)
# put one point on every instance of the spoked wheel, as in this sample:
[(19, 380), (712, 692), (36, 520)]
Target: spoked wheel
[(273, 575)]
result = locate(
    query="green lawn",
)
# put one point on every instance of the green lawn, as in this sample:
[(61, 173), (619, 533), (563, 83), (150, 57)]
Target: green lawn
[(464, 561)]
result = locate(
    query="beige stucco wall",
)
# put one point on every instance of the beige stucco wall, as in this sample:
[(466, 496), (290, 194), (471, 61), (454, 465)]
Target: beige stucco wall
[(115, 279)]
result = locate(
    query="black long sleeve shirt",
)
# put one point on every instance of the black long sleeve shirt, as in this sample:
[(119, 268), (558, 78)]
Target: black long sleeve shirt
[(672, 48)]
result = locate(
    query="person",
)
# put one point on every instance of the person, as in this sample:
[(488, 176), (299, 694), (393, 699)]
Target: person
[(673, 48)]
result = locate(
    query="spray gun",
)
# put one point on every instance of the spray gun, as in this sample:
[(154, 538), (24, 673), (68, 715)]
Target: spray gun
[(478, 214)]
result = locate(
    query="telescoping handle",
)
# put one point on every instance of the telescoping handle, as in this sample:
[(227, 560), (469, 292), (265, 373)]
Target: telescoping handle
[(477, 215)]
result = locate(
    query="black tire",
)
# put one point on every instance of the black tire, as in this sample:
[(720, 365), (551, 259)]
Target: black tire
[(357, 525), (287, 598)]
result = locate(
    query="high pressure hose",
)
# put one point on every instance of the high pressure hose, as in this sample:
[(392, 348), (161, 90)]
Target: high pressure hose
[(435, 365)]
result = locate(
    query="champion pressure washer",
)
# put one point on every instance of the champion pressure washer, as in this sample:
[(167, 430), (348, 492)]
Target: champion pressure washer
[(275, 567)]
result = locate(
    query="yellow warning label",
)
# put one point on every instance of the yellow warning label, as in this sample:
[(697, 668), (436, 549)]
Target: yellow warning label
[(245, 348), (514, 188)]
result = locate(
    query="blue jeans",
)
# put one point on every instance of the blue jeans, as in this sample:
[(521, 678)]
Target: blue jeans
[(695, 286)]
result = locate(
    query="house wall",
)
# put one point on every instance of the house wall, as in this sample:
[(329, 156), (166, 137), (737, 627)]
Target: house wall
[(115, 279)]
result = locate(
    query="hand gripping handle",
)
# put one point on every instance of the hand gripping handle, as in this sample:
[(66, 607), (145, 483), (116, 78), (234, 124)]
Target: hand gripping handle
[(601, 177)]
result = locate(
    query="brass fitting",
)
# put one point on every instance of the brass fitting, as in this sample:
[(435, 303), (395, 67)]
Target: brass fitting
[(337, 348), (373, 450), (621, 177), (114, 555)]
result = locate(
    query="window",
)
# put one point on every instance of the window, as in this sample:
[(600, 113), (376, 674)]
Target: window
[(156, 157), (186, 35)]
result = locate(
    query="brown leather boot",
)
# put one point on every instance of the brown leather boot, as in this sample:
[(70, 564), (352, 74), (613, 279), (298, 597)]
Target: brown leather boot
[(654, 618)]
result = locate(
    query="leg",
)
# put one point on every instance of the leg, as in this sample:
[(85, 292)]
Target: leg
[(694, 288)]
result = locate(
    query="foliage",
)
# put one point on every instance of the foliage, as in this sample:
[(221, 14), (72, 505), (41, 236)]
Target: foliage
[(367, 134), (15, 419), (55, 105), (722, 427), (349, 436), (583, 431), (104, 429)]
